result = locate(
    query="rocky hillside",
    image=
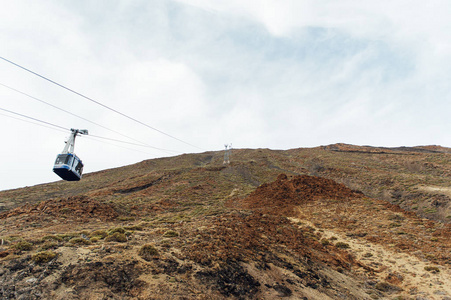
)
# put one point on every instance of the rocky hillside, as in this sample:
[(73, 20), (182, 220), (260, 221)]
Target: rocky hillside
[(333, 222)]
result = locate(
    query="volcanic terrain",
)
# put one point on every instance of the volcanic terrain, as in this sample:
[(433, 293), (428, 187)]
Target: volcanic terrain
[(332, 222)]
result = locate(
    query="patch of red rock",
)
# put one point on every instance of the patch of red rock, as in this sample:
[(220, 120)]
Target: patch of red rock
[(77, 206), (284, 194)]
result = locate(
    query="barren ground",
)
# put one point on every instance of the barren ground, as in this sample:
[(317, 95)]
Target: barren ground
[(335, 222)]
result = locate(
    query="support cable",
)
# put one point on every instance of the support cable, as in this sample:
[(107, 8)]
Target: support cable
[(68, 112), (34, 119), (95, 138), (42, 125), (90, 137), (67, 129), (114, 140), (98, 103)]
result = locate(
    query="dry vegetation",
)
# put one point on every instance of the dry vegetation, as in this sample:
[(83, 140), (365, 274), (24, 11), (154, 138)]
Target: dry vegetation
[(371, 223)]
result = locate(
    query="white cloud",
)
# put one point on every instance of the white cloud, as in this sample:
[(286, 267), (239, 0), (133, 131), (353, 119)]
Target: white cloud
[(276, 74), (161, 86)]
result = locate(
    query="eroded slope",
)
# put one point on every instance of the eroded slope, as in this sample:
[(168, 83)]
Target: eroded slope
[(189, 227)]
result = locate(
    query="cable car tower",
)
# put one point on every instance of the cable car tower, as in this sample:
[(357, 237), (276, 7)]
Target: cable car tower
[(67, 165), (228, 149)]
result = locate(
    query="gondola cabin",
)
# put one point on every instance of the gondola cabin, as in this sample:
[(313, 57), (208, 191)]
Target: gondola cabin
[(68, 166)]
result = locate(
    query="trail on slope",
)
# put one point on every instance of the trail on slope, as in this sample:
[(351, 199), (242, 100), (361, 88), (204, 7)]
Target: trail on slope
[(399, 269), (398, 252)]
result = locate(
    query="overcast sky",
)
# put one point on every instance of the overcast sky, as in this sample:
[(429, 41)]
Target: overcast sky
[(259, 74)]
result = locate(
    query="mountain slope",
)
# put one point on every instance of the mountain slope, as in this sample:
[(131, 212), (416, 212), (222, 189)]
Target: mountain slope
[(188, 227)]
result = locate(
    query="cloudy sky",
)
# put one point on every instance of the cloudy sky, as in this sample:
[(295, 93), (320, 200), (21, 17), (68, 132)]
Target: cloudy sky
[(259, 74)]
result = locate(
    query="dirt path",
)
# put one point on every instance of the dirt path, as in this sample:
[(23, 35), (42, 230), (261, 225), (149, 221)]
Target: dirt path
[(435, 189), (398, 269)]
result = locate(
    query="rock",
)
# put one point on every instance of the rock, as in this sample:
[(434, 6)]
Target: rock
[(31, 280), (283, 290)]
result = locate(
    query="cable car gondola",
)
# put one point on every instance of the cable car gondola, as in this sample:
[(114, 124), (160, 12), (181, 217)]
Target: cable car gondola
[(67, 165)]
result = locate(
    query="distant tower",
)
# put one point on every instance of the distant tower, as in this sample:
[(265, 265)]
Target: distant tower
[(227, 152)]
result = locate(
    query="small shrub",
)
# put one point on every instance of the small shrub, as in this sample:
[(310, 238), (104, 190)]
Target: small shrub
[(43, 257), (430, 256), (134, 227), (116, 237), (174, 219), (434, 239), (23, 246), (342, 245), (52, 238), (386, 287), (48, 245), (11, 238), (171, 233), (430, 211), (99, 233), (79, 241), (368, 254), (66, 210), (325, 242), (396, 217), (114, 230), (368, 202), (125, 218), (148, 251), (166, 243), (431, 269), (95, 239), (397, 194), (4, 254), (68, 236)]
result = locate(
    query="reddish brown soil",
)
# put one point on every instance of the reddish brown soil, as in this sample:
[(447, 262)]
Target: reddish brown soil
[(383, 223), (217, 237), (243, 237), (266, 241), (334, 205), (77, 206), (284, 194)]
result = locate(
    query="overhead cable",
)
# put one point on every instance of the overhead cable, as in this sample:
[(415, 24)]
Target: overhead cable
[(67, 129), (23, 120), (57, 129), (68, 112), (164, 150), (98, 103), (101, 141), (34, 119)]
